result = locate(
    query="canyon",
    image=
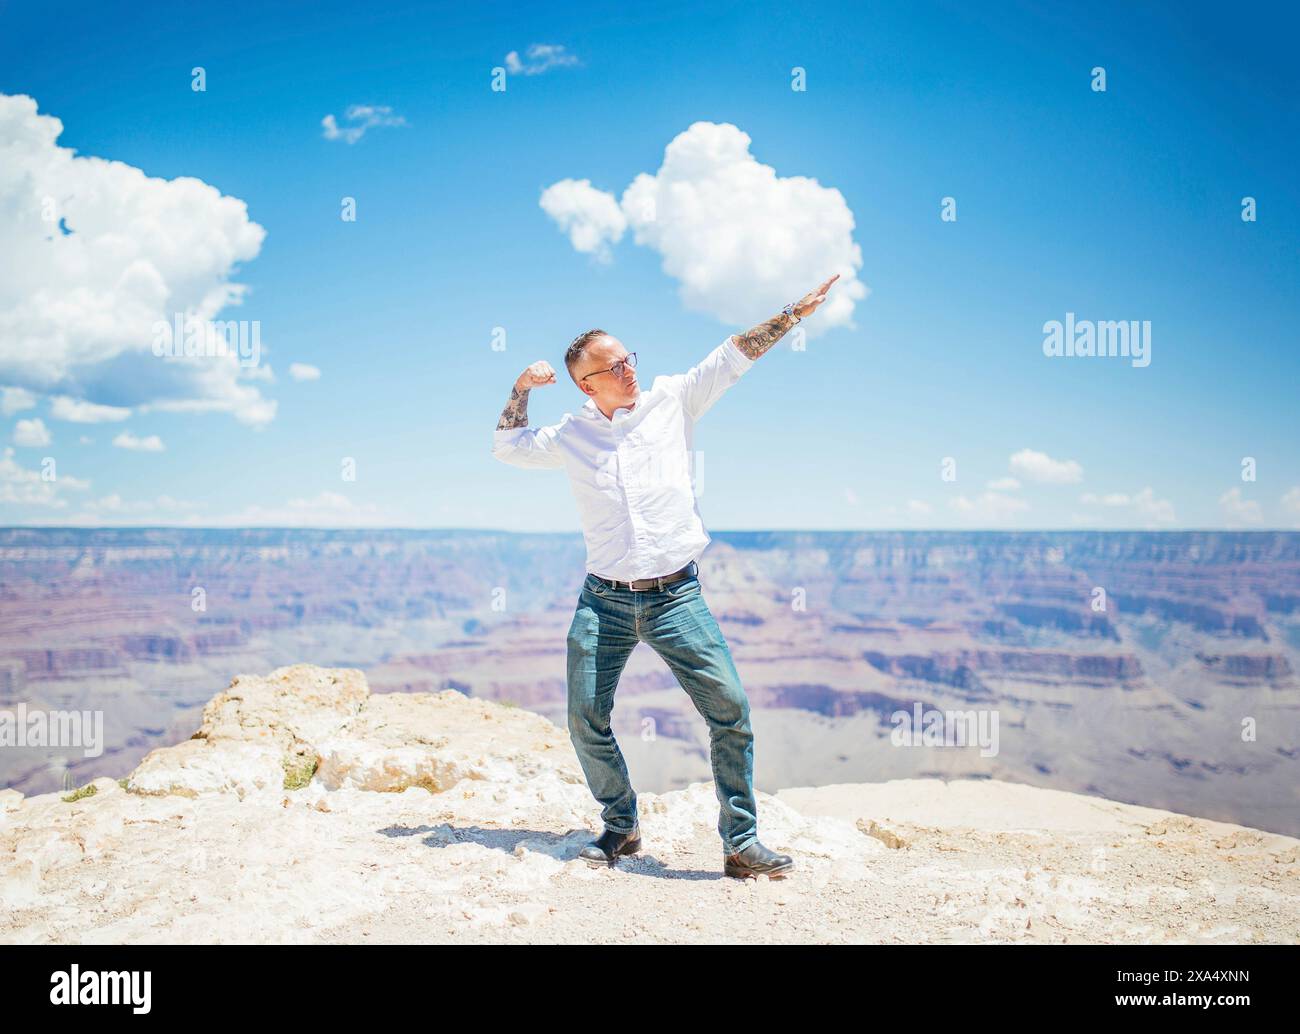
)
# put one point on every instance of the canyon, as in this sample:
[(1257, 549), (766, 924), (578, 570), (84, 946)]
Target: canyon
[(1181, 694)]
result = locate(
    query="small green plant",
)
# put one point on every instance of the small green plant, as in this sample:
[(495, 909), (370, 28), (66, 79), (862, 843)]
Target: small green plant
[(89, 790), (298, 771), (507, 702)]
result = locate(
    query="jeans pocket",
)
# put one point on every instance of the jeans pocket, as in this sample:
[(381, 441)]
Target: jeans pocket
[(684, 587), (596, 586)]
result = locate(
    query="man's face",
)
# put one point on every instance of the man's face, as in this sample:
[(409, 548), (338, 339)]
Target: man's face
[(608, 391)]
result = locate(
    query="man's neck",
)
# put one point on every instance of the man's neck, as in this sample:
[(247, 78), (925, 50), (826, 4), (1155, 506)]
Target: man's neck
[(610, 415)]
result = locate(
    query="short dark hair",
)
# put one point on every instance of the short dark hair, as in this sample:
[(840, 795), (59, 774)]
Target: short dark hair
[(579, 349)]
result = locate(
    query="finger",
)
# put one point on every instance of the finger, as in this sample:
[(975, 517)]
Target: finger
[(825, 286)]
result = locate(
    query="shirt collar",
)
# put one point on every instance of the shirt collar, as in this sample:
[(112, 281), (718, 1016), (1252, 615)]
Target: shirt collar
[(590, 409)]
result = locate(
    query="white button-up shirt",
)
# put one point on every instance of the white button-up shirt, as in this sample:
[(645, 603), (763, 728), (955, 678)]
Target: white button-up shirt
[(631, 475)]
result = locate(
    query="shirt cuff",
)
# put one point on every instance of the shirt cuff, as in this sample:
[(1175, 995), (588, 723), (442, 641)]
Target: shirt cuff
[(735, 356)]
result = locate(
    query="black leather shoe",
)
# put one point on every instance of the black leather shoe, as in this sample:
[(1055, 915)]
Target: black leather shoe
[(606, 849), (756, 860)]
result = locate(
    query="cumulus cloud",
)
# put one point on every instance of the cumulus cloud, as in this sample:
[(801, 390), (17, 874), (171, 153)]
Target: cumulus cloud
[(304, 372), (1291, 505), (127, 440), (1144, 505), (991, 507), (1109, 499), (539, 58), (1156, 511), (79, 411), (1040, 467), (114, 509), (31, 433), (740, 240), (94, 254), (1003, 485), (163, 504), (590, 217), (360, 118), (15, 400), (1239, 510), (326, 510), (26, 487)]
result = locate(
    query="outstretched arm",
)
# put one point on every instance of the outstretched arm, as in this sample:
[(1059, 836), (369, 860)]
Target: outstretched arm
[(754, 342)]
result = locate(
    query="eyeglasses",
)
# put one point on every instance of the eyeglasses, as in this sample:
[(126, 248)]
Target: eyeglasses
[(617, 368)]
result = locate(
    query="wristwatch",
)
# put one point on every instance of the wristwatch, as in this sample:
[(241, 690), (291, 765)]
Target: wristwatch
[(789, 311)]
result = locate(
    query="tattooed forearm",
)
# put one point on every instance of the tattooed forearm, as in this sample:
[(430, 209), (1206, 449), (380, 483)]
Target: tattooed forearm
[(755, 342), (516, 412)]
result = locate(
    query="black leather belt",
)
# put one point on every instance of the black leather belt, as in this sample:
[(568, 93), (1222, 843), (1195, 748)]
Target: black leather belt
[(642, 584)]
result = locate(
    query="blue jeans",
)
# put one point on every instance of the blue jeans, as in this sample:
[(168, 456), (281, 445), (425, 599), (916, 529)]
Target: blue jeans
[(678, 625)]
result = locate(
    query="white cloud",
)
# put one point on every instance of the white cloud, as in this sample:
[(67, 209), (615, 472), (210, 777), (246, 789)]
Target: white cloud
[(1144, 505), (918, 508), (1003, 485), (541, 57), (127, 440), (78, 308), (114, 503), (361, 117), (1156, 511), (991, 507), (304, 372), (740, 240), (31, 433), (1040, 467), (590, 217), (326, 510), (1291, 504), (30, 488), (79, 411), (261, 372), (112, 509), (1238, 510), (14, 400), (1110, 499)]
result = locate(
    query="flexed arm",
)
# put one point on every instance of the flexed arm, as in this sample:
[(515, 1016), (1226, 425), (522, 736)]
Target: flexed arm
[(516, 412), (516, 443), (753, 343)]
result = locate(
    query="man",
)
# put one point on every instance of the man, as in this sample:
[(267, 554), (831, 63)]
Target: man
[(626, 453)]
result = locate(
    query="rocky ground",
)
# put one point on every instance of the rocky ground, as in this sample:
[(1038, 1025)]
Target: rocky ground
[(306, 809)]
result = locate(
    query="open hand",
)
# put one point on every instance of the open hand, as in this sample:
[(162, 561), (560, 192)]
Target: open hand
[(807, 305)]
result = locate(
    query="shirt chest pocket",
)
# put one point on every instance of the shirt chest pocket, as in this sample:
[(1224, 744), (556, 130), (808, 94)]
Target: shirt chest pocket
[(605, 472)]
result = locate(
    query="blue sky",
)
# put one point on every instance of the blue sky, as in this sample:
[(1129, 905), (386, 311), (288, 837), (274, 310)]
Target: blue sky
[(1117, 205)]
